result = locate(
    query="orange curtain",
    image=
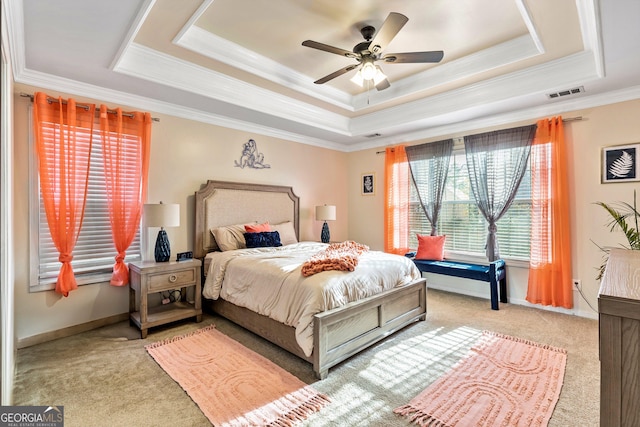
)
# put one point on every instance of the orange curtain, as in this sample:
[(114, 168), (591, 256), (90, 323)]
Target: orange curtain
[(126, 167), (550, 260), (396, 208), (64, 152)]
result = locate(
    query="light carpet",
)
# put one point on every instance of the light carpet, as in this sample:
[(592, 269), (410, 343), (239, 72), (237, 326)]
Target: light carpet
[(232, 385), (502, 381)]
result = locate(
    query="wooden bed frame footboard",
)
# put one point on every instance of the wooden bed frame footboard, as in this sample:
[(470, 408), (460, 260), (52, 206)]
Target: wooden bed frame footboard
[(342, 332), (345, 331)]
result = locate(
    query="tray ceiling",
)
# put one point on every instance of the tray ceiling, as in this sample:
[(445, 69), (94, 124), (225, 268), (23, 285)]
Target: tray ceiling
[(240, 63)]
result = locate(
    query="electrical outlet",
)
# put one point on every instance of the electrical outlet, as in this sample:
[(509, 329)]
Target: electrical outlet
[(576, 284)]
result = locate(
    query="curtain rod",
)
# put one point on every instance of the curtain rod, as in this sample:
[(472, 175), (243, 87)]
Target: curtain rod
[(86, 107), (570, 119)]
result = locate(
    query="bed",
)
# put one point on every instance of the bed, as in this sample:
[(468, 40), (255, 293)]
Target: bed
[(337, 333)]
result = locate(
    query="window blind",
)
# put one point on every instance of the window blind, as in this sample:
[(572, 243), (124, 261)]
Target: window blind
[(464, 225), (94, 253)]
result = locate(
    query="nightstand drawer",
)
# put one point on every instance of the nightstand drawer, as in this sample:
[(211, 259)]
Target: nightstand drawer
[(163, 281)]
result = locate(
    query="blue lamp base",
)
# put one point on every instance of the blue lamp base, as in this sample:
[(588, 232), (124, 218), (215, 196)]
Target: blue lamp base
[(324, 235), (163, 250)]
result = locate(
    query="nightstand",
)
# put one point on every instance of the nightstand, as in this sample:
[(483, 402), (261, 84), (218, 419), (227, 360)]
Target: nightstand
[(148, 277)]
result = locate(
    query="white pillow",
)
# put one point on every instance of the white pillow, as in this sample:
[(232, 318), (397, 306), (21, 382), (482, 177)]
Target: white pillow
[(230, 237), (286, 231)]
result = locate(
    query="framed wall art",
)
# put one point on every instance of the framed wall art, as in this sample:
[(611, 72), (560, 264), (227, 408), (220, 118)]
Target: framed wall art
[(368, 184), (620, 163)]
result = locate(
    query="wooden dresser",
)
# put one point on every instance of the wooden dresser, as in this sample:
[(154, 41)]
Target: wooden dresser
[(619, 315)]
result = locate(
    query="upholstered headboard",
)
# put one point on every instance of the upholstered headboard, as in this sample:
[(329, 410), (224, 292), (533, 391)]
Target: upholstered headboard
[(221, 203)]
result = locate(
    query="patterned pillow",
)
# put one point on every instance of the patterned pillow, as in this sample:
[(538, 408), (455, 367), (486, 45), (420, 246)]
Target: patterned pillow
[(263, 239)]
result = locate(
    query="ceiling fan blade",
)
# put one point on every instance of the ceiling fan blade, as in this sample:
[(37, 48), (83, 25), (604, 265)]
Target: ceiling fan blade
[(390, 27), (327, 48), (383, 85), (336, 74), (413, 57)]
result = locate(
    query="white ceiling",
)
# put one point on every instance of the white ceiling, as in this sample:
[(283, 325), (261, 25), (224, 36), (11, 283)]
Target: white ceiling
[(240, 63)]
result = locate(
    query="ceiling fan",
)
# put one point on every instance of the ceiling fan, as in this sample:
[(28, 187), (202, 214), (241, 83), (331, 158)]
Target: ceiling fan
[(370, 51)]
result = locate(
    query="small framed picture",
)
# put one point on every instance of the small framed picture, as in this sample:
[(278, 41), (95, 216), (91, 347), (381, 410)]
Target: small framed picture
[(368, 184), (620, 163)]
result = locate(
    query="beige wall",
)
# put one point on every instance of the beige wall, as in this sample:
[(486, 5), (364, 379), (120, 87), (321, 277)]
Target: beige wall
[(603, 126), (187, 153), (184, 155)]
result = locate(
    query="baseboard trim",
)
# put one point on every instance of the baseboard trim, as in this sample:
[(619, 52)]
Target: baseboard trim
[(71, 330), (515, 301)]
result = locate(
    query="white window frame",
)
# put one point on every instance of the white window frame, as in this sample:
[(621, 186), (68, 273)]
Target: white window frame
[(37, 223)]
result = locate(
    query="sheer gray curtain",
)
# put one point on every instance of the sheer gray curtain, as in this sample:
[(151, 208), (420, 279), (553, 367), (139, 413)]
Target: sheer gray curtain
[(429, 164), (496, 162)]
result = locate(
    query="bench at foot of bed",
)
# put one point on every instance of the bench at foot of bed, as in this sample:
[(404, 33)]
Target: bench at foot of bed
[(494, 273)]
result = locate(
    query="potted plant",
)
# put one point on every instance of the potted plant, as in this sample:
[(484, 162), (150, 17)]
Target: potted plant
[(624, 217)]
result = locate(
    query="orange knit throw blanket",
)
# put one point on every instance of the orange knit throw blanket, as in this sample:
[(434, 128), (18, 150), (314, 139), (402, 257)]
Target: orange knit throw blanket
[(342, 256)]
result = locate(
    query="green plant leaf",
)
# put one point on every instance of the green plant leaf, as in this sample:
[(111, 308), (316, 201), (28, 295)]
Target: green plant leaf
[(625, 217)]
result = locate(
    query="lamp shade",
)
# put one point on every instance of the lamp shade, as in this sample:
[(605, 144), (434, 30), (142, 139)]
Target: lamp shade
[(162, 215), (326, 213)]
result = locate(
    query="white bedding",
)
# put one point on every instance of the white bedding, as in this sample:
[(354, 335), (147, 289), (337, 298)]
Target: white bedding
[(269, 282)]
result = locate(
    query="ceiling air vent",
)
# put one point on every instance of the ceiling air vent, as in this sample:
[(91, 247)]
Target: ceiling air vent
[(566, 92), (373, 135)]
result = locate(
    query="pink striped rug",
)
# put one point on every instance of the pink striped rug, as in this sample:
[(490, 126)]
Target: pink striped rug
[(503, 381), (232, 385)]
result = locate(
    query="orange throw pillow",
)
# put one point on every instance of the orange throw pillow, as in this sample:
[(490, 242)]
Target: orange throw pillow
[(431, 247), (257, 228)]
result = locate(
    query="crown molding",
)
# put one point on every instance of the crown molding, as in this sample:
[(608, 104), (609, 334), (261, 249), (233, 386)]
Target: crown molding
[(59, 84), (72, 87), (589, 17), (13, 33), (526, 114), (531, 27), (141, 16), (509, 52), (148, 64), (570, 70), (205, 43)]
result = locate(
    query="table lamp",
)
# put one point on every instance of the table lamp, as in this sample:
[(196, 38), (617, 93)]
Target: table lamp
[(325, 213), (162, 215)]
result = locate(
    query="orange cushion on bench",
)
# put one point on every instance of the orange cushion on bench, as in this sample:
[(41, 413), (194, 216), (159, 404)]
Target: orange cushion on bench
[(430, 247)]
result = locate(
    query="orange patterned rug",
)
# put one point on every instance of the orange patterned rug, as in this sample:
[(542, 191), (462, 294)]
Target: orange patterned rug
[(503, 381), (232, 385)]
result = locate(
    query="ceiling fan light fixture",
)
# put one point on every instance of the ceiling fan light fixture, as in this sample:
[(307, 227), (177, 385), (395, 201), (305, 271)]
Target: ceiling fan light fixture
[(378, 76), (368, 70), (357, 79)]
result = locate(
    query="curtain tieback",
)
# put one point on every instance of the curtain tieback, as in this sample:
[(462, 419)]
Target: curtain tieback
[(120, 256), (65, 258)]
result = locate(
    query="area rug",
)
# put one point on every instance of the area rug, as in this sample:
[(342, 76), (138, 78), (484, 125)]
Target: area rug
[(502, 381), (232, 385)]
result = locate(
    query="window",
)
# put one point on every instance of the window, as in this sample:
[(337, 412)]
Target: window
[(94, 253), (463, 223)]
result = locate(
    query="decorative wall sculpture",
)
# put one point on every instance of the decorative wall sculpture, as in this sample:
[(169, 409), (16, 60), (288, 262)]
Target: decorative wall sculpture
[(251, 157)]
